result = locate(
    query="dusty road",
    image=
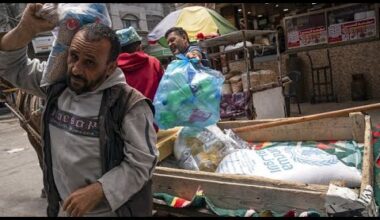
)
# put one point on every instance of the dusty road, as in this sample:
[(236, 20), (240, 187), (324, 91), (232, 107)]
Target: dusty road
[(20, 175)]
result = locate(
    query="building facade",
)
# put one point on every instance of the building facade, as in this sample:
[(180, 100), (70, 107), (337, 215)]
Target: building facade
[(142, 16)]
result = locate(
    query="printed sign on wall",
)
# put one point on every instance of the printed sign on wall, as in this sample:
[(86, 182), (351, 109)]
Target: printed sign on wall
[(307, 37), (353, 30), (313, 36), (293, 39)]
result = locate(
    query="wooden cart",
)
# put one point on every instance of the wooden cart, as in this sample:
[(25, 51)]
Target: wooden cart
[(237, 191)]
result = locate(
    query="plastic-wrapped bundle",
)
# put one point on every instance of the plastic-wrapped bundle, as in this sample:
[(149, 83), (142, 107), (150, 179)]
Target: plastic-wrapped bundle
[(188, 95), (70, 17), (203, 149)]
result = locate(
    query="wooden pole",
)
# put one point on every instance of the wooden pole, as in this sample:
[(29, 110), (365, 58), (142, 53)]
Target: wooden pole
[(367, 174), (244, 16), (33, 132), (286, 121)]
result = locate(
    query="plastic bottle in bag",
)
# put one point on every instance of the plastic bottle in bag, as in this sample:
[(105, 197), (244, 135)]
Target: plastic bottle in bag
[(176, 97), (188, 96)]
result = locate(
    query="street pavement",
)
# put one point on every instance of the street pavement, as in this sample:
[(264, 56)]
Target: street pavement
[(20, 174)]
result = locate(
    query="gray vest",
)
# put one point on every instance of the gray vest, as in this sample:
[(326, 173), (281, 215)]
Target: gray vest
[(116, 102)]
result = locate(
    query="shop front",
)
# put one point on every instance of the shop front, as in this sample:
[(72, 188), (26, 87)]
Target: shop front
[(335, 47), (337, 51)]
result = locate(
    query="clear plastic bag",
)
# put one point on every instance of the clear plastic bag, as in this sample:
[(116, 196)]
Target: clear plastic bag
[(70, 17), (242, 143), (203, 149), (188, 95)]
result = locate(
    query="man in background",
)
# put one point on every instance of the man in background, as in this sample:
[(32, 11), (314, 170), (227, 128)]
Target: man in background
[(179, 43), (142, 72)]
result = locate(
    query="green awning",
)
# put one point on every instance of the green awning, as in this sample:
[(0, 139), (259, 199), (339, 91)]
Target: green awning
[(158, 51)]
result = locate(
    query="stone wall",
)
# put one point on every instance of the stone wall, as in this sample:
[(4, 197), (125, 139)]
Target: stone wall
[(345, 61)]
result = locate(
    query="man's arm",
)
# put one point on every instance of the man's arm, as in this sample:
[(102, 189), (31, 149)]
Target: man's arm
[(140, 157), (119, 184), (15, 67), (21, 72), (28, 27)]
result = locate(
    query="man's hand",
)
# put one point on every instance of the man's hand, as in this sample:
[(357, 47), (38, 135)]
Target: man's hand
[(84, 200), (194, 54), (28, 27), (32, 23)]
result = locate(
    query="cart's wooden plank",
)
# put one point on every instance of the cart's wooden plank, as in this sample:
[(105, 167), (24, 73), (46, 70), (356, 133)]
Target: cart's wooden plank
[(244, 179), (237, 195), (319, 130), (165, 146), (358, 126), (161, 134), (240, 123), (367, 171)]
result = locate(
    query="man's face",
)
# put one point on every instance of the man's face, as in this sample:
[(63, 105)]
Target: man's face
[(88, 65), (177, 43)]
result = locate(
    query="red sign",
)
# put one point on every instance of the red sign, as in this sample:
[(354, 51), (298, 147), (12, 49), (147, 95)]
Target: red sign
[(352, 30), (313, 36), (307, 37), (293, 39)]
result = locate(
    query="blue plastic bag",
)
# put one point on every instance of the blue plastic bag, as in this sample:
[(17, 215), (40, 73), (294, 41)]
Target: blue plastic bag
[(188, 95)]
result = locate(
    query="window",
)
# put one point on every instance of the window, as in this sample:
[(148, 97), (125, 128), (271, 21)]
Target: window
[(130, 20), (152, 21)]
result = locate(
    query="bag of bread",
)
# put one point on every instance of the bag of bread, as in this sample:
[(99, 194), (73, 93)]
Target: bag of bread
[(203, 148)]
